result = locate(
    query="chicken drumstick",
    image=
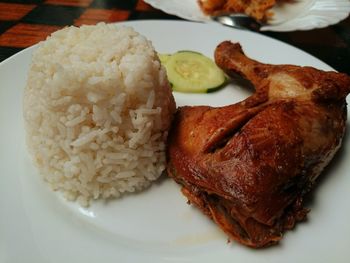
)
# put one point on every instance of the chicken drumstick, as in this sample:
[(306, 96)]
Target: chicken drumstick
[(248, 165)]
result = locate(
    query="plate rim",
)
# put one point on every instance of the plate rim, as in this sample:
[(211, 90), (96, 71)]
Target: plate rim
[(144, 21)]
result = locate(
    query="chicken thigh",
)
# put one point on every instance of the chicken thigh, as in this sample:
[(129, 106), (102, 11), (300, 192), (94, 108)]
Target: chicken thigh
[(248, 165)]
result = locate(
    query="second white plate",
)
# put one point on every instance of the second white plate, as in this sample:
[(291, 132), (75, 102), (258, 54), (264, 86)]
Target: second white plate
[(289, 16)]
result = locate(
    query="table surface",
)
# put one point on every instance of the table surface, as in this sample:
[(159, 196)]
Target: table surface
[(26, 22)]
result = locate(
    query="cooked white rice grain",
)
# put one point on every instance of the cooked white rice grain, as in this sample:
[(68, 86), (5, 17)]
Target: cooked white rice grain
[(97, 109)]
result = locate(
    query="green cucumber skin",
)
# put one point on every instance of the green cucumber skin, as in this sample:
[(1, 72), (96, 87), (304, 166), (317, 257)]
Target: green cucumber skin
[(189, 51), (210, 90), (218, 87)]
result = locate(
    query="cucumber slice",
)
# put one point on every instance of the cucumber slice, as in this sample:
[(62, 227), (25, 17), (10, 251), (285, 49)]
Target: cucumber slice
[(190, 71), (164, 58)]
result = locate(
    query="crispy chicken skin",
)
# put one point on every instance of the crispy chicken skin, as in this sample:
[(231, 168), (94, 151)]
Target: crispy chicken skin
[(248, 165)]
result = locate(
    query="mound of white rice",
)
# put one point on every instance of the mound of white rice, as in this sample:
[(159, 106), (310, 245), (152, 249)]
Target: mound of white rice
[(97, 108)]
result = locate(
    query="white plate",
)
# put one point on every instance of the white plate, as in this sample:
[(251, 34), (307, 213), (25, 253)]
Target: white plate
[(295, 15), (37, 225)]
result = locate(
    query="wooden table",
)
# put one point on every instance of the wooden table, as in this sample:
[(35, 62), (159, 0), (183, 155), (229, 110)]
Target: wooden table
[(25, 22)]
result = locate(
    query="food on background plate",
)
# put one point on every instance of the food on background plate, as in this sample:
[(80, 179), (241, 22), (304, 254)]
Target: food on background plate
[(248, 165), (258, 9), (97, 109), (192, 72)]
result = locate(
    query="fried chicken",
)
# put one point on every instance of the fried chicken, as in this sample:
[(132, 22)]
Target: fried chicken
[(248, 165), (260, 10)]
